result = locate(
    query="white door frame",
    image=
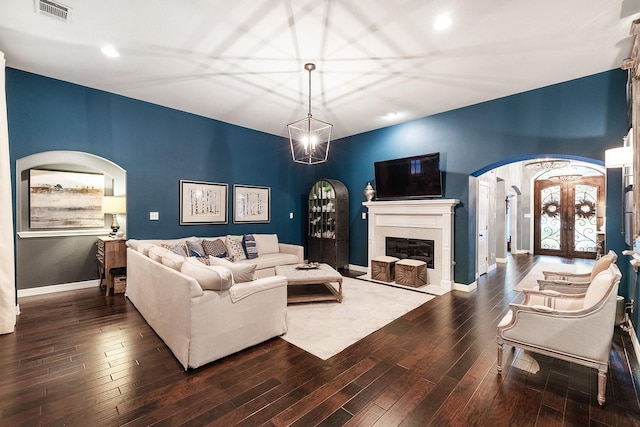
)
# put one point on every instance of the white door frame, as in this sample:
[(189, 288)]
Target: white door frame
[(482, 241)]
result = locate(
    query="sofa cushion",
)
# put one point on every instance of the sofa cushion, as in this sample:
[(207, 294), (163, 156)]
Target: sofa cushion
[(143, 248), (210, 277), (235, 250), (157, 252), (249, 245), (140, 246), (266, 243), (242, 272), (214, 248), (173, 261), (271, 260)]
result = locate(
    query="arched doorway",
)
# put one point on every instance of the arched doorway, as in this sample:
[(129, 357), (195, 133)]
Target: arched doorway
[(518, 181)]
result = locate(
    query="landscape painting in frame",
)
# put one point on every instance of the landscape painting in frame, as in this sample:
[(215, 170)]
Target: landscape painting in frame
[(60, 199)]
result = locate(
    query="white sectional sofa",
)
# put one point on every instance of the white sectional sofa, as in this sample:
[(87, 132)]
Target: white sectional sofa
[(205, 312)]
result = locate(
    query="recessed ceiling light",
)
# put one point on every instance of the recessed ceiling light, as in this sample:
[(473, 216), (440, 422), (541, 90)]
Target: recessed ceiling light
[(442, 22), (110, 51), (392, 115)]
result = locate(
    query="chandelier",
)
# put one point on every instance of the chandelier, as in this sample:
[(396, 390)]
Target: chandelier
[(309, 137)]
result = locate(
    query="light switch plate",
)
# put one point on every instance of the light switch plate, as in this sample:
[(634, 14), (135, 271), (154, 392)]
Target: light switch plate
[(364, 215), (290, 215), (154, 216)]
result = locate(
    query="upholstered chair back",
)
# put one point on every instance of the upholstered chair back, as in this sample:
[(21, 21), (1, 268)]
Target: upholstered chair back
[(599, 287), (603, 263)]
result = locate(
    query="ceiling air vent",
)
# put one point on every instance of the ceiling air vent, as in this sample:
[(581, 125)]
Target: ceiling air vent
[(53, 10)]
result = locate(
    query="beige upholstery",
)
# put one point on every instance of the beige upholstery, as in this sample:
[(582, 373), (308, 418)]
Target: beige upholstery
[(576, 328), (575, 283)]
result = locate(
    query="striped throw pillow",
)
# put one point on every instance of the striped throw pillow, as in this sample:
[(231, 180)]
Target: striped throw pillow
[(250, 248)]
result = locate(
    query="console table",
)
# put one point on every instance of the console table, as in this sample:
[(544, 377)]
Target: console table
[(112, 253)]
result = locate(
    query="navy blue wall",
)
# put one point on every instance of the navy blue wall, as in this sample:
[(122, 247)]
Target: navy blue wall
[(577, 118), (158, 147)]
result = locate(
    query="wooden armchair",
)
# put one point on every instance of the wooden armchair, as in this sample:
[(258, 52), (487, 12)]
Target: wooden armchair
[(577, 328), (575, 283)]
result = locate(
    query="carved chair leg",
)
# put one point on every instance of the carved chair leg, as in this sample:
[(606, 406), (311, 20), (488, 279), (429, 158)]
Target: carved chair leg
[(499, 358), (602, 384)]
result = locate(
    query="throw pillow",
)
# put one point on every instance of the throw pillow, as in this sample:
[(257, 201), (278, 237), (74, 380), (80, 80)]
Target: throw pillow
[(214, 278), (267, 243), (195, 248), (241, 272), (180, 249), (249, 244), (214, 248), (234, 248)]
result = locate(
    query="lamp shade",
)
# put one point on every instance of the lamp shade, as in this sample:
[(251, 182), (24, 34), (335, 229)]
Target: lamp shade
[(114, 204), (618, 157)]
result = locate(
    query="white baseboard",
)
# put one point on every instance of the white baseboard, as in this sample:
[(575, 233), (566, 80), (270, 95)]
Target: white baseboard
[(17, 309), (42, 290), (360, 268), (465, 288), (501, 260)]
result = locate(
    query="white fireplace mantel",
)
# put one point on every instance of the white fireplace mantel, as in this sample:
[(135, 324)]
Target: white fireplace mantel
[(403, 218)]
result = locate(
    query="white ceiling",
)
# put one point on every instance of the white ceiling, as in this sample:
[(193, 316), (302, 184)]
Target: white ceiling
[(241, 61)]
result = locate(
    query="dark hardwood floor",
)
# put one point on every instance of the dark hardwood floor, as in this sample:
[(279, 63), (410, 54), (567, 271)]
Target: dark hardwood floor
[(82, 359)]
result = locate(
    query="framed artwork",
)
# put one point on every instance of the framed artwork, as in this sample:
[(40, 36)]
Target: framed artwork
[(203, 203), (61, 199), (251, 204)]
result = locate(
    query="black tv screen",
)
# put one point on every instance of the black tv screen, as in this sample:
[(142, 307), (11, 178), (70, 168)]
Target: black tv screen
[(409, 178)]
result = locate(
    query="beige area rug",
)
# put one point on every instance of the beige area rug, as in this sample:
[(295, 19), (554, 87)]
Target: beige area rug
[(324, 329), (531, 279)]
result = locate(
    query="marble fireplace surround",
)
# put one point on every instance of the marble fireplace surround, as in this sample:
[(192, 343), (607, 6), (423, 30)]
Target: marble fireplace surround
[(419, 219)]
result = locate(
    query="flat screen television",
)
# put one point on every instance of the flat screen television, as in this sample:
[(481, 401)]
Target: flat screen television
[(409, 178)]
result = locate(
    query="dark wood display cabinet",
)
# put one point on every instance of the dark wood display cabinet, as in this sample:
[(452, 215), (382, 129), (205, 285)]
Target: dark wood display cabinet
[(329, 223)]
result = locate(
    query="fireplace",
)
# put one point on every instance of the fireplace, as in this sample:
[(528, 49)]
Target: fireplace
[(402, 247), (410, 220)]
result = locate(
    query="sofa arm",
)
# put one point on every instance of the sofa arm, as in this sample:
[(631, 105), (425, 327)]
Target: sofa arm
[(242, 290), (288, 248)]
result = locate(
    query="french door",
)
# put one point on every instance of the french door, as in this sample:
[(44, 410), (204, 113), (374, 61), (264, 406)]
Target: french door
[(567, 216)]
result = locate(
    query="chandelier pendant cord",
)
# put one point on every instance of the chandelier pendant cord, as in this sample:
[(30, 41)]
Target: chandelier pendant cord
[(310, 144)]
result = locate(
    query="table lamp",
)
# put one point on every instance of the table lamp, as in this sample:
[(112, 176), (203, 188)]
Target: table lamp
[(114, 205)]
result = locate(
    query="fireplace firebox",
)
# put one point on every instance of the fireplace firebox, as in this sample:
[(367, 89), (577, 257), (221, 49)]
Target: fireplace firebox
[(419, 249)]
